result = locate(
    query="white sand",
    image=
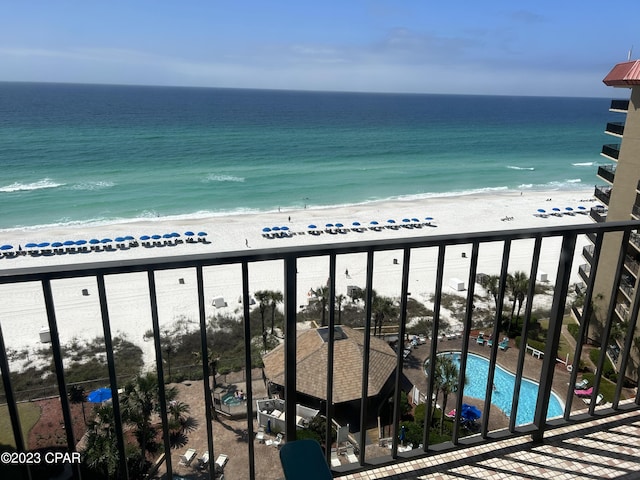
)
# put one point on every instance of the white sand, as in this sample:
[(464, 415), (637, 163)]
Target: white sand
[(22, 307)]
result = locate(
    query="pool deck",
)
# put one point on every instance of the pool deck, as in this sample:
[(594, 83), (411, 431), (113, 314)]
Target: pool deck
[(506, 358)]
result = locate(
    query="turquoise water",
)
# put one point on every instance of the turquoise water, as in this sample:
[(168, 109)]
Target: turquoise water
[(477, 370), (74, 154)]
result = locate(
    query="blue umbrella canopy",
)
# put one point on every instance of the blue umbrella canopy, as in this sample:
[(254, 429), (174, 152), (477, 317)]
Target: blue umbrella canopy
[(31, 245), (542, 210), (285, 228), (189, 233), (415, 220), (356, 224), (266, 229), (120, 239), (167, 235), (43, 245), (569, 209), (429, 218), (68, 243), (555, 209), (145, 237), (57, 244), (580, 207), (329, 225), (406, 220), (106, 240), (373, 222), (6, 247), (81, 242), (275, 229), (129, 237), (312, 226), (100, 395), (202, 234), (156, 237), (94, 241), (339, 225), (470, 412), (391, 220), (175, 234)]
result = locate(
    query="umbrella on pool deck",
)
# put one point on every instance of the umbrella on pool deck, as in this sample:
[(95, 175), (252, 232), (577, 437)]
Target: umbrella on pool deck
[(470, 412), (100, 395)]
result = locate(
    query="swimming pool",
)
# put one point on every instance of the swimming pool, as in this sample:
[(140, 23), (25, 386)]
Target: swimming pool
[(477, 372), (230, 399)]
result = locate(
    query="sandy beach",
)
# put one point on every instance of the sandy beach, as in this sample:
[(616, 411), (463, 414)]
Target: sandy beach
[(22, 308)]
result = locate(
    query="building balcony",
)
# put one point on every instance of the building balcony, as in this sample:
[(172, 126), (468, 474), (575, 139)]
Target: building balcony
[(603, 193), (611, 151), (619, 105), (598, 213), (632, 265), (584, 270), (123, 295), (615, 128), (623, 311), (587, 252), (635, 212), (607, 173), (634, 239)]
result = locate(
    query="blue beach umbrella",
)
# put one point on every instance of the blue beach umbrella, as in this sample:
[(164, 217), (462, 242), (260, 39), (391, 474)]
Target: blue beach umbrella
[(568, 209), (120, 239), (470, 412), (415, 220), (373, 222), (356, 224), (167, 235), (391, 220), (43, 245), (144, 238), (81, 242), (312, 226), (285, 228), (542, 210), (6, 247), (100, 395), (339, 225), (428, 219), (106, 240), (189, 233), (266, 229), (406, 220), (275, 229), (129, 237), (175, 234), (329, 225), (556, 209), (31, 245), (580, 207), (202, 234), (94, 241), (57, 244), (67, 243)]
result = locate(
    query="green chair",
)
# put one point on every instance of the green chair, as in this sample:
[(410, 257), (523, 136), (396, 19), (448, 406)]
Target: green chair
[(304, 460)]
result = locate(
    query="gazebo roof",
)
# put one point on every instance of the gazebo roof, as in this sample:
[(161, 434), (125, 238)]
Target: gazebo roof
[(348, 360)]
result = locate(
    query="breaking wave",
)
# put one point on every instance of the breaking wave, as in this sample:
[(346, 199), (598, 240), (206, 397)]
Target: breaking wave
[(24, 187)]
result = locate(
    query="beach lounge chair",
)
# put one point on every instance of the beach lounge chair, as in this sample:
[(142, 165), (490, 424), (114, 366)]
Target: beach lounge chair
[(598, 401), (188, 457), (335, 461), (585, 392), (504, 344), (351, 456), (480, 338)]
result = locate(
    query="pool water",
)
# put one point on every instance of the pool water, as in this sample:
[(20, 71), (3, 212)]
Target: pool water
[(230, 399), (477, 372)]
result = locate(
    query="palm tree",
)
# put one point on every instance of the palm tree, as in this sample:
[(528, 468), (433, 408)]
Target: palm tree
[(382, 307), (213, 371), (323, 294), (339, 301), (263, 297), (519, 285), (101, 453), (492, 286), (445, 381), (276, 297), (139, 402)]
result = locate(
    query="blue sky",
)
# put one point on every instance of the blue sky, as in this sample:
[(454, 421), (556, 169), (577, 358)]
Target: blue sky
[(482, 47)]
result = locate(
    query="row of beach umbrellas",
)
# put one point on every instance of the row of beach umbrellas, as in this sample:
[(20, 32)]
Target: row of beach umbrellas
[(373, 223), (106, 240), (568, 210)]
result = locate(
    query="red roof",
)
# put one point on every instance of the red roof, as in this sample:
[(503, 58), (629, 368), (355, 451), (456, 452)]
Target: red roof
[(625, 74)]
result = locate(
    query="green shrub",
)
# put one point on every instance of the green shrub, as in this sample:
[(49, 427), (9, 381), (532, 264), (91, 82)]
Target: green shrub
[(574, 330)]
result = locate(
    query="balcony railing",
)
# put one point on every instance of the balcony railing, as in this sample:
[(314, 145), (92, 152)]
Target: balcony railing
[(619, 105), (599, 214), (584, 271), (426, 257), (587, 252), (603, 193), (611, 151), (615, 128), (607, 172)]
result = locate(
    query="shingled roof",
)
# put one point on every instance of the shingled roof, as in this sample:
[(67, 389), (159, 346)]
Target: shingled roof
[(312, 352), (625, 74)]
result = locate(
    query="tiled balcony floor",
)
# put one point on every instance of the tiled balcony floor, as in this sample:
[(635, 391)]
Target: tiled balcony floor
[(602, 448)]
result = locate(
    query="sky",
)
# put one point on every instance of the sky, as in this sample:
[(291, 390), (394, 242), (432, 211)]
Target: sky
[(541, 47)]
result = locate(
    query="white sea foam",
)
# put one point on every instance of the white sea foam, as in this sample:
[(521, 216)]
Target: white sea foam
[(223, 178), (21, 187), (583, 164), (92, 185), (513, 167)]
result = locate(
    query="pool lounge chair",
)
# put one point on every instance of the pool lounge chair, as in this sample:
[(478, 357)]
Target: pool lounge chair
[(451, 414), (351, 455), (582, 384), (335, 461), (480, 338), (221, 461), (584, 392), (188, 456), (504, 344), (599, 400)]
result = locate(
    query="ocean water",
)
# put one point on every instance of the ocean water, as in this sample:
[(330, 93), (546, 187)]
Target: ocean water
[(74, 154)]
